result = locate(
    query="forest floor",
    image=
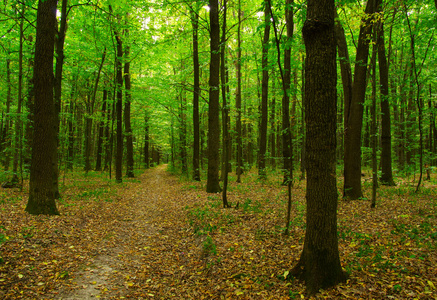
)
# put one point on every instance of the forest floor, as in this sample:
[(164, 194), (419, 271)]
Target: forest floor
[(161, 237)]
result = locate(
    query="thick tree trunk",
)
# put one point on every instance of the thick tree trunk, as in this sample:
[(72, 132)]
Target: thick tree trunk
[(212, 184), (353, 127), (42, 190), (319, 264), (264, 95), (196, 93)]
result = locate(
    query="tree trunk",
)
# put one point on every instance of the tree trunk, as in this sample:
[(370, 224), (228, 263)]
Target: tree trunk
[(319, 264), (88, 134), (18, 122), (146, 141), (239, 139), (196, 93), (287, 155), (6, 129), (42, 190), (225, 138), (212, 184), (386, 167), (345, 68), (373, 124), (101, 133), (127, 118), (264, 95), (119, 109), (353, 127)]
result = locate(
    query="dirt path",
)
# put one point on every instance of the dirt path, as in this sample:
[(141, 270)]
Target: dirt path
[(143, 216)]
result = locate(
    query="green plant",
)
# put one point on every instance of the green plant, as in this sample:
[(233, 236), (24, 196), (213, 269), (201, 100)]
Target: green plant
[(209, 246)]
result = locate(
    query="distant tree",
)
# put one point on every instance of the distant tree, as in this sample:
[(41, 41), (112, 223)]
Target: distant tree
[(212, 184), (43, 168), (319, 264), (239, 169), (127, 112), (196, 92), (264, 94)]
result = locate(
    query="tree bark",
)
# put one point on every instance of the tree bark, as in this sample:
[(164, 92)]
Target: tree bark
[(119, 109), (264, 95), (127, 118), (101, 132), (386, 159), (146, 141), (196, 93), (345, 68), (319, 264), (353, 127), (212, 184), (42, 190), (224, 82), (239, 139), (287, 155)]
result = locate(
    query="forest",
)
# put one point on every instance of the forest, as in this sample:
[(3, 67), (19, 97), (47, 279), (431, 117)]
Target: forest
[(234, 149)]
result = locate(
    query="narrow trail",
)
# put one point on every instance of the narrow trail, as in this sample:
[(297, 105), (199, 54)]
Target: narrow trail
[(141, 221)]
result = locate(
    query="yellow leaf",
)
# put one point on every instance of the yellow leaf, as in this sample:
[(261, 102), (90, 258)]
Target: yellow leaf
[(431, 284), (239, 292)]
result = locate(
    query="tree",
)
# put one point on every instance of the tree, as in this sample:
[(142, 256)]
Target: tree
[(319, 264), (239, 169), (42, 190), (264, 94), (212, 184), (386, 161), (196, 92), (127, 113), (354, 115)]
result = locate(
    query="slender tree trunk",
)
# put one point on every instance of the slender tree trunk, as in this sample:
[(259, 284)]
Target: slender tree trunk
[(119, 109), (70, 118), (373, 125), (101, 132), (345, 68), (18, 122), (264, 95), (108, 134), (212, 185), (287, 154), (183, 133), (239, 140), (146, 141), (6, 133), (353, 127), (386, 159), (127, 117), (223, 79), (196, 93), (319, 264), (88, 134), (42, 188)]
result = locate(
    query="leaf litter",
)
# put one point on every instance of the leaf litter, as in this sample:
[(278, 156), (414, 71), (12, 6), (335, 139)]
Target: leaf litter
[(160, 237)]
